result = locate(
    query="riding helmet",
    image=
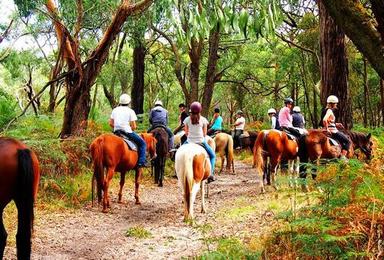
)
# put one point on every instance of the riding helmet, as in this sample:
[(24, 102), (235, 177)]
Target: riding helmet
[(125, 99), (195, 107), (217, 110), (332, 99), (158, 103), (271, 111), (297, 109), (239, 112), (288, 100)]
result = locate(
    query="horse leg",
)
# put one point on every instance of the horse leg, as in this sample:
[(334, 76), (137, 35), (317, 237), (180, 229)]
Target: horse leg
[(161, 171), (138, 174), (203, 210), (122, 182), (157, 166), (222, 163), (274, 165), (106, 202), (3, 235), (195, 190)]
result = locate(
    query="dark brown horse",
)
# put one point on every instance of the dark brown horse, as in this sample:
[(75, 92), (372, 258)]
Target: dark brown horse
[(248, 139), (276, 145), (19, 181), (161, 151), (362, 142), (110, 152)]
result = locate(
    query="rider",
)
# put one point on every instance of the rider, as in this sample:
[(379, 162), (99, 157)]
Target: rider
[(216, 122), (239, 129), (285, 118), (195, 127), (183, 115), (158, 117), (298, 118), (123, 121), (331, 126), (274, 121)]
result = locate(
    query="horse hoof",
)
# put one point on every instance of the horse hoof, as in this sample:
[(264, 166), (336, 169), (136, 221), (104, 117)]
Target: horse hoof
[(120, 202), (160, 185), (105, 211), (203, 211), (138, 203)]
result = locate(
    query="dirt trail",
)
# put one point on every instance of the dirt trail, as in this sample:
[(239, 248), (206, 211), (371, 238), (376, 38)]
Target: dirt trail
[(89, 234)]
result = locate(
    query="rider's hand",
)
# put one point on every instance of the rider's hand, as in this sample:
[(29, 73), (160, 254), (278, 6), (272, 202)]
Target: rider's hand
[(329, 131), (339, 125)]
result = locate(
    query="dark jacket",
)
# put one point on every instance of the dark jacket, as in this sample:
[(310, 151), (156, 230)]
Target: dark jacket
[(297, 120)]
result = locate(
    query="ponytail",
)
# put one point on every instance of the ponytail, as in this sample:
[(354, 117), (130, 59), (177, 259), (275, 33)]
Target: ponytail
[(195, 118)]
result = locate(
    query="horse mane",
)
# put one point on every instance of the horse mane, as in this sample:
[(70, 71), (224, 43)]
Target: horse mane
[(356, 137), (162, 140)]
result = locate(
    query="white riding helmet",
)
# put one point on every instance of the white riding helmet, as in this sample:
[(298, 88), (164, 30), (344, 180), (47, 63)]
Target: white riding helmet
[(332, 99), (271, 111), (158, 103), (125, 99), (297, 109)]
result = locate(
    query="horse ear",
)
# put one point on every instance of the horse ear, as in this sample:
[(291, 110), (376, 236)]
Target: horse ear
[(369, 136)]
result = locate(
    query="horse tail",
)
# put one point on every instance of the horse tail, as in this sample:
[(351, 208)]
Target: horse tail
[(188, 182), (258, 161), (98, 167), (24, 202), (229, 152)]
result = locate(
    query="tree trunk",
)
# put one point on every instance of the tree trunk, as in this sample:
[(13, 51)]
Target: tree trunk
[(334, 66), (359, 26), (195, 57), (365, 94), (110, 96), (137, 91), (382, 99), (210, 77)]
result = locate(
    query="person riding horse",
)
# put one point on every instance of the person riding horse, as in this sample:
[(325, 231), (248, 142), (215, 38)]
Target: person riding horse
[(298, 118), (123, 121), (239, 129), (158, 117), (216, 122), (329, 123), (195, 127), (183, 115), (274, 119), (285, 118)]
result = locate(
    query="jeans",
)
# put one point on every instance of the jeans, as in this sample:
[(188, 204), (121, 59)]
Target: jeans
[(342, 139), (169, 132), (142, 146), (211, 153), (236, 138)]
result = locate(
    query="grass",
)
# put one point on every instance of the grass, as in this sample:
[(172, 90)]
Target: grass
[(138, 232)]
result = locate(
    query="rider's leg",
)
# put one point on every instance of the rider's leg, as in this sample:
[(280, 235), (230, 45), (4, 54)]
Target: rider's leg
[(170, 138), (141, 147), (344, 141), (212, 156)]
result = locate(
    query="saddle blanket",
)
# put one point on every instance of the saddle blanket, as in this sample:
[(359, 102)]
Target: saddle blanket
[(131, 144)]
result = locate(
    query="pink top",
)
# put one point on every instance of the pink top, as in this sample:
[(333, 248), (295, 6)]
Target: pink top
[(285, 117)]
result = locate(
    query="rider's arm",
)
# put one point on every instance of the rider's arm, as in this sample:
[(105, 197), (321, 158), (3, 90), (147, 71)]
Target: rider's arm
[(133, 125), (205, 130), (186, 130), (111, 123), (325, 119)]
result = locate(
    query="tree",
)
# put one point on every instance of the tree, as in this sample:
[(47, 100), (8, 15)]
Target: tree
[(334, 66)]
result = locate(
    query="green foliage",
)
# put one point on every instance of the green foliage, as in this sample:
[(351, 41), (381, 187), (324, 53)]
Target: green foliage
[(7, 109), (230, 248), (138, 232)]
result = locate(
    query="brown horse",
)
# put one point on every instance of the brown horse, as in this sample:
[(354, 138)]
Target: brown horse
[(224, 146), (161, 151), (110, 152), (276, 145), (248, 139), (362, 142), (19, 181)]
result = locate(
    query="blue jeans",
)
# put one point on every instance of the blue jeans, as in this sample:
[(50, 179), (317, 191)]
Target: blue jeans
[(211, 153), (142, 146)]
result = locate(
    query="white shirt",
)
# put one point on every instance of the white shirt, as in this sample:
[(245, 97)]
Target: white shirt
[(195, 132), (122, 116), (241, 126), (273, 119)]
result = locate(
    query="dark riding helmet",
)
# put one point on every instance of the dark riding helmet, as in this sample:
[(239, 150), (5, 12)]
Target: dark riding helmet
[(181, 105), (288, 100), (195, 107), (217, 110)]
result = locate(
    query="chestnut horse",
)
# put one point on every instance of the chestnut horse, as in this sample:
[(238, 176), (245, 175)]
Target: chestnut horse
[(193, 168), (362, 142), (276, 145), (224, 146), (110, 152), (19, 181)]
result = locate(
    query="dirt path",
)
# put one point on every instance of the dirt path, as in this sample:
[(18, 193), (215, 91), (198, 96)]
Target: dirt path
[(89, 234)]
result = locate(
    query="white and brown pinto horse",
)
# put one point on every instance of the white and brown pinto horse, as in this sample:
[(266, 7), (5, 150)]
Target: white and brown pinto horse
[(193, 168)]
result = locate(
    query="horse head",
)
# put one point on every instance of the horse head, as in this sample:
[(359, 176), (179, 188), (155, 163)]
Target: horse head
[(366, 145), (151, 141)]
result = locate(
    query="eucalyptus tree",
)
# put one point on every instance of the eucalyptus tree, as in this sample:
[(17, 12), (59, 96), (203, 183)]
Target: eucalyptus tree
[(82, 72)]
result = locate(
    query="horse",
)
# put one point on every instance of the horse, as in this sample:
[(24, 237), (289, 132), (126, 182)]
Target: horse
[(19, 181), (276, 145), (161, 151), (224, 146), (361, 142), (248, 139), (110, 152), (193, 168)]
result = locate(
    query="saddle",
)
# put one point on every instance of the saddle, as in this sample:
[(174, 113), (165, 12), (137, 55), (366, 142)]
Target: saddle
[(333, 142), (131, 145)]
